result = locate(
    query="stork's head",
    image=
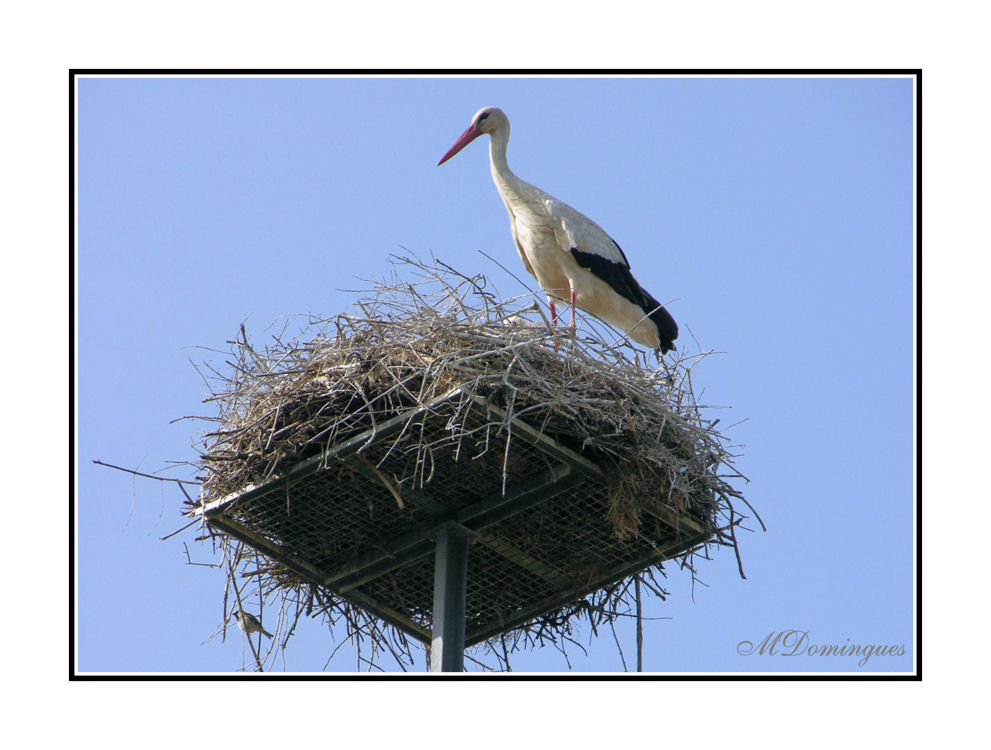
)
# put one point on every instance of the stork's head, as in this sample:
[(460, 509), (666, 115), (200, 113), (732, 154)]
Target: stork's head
[(486, 120)]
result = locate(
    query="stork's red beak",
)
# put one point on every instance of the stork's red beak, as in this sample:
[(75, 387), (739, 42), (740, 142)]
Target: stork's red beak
[(463, 140)]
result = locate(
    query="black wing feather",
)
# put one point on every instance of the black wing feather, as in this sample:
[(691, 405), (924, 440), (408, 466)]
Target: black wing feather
[(618, 276)]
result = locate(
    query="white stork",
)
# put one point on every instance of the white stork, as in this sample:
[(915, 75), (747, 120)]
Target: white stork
[(570, 255)]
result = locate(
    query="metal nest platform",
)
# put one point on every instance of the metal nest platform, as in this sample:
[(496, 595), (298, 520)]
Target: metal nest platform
[(533, 510)]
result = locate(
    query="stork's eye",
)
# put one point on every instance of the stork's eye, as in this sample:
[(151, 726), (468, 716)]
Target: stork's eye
[(483, 116)]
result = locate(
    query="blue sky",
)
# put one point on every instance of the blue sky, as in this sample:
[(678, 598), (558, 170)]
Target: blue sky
[(775, 213)]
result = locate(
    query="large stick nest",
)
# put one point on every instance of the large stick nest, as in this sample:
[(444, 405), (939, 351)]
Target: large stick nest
[(429, 330)]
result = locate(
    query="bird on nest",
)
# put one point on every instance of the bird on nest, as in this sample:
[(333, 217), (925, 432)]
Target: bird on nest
[(572, 257)]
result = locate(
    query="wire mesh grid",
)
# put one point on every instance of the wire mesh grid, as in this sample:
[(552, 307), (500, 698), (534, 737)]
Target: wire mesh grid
[(361, 524)]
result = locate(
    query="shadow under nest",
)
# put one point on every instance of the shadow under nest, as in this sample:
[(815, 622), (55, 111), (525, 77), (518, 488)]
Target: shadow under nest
[(576, 467)]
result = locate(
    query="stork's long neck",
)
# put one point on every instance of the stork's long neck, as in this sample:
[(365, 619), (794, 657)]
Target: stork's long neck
[(502, 175)]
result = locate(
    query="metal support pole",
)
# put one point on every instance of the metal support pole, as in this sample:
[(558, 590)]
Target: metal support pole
[(447, 649)]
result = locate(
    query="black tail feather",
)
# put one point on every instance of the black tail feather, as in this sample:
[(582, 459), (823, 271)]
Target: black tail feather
[(667, 329)]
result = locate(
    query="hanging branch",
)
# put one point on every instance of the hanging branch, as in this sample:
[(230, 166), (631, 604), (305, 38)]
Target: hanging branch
[(636, 580)]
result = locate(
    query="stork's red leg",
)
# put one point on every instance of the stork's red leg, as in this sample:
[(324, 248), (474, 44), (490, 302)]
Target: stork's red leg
[(553, 311), (572, 290)]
